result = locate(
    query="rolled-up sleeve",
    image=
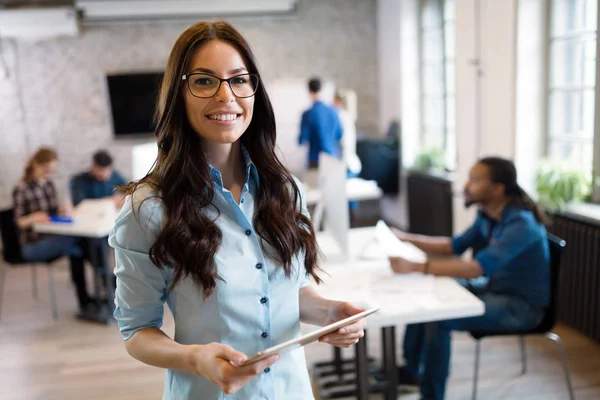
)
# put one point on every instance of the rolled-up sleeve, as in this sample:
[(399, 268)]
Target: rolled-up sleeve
[(472, 237), (141, 285)]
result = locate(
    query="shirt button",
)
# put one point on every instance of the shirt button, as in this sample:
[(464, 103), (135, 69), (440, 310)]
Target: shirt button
[(267, 370), (263, 300), (248, 232), (242, 200), (259, 266), (264, 335)]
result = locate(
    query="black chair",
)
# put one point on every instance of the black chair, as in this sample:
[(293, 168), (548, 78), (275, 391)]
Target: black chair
[(11, 253), (557, 246)]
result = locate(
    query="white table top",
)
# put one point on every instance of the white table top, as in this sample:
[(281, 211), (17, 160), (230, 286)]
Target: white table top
[(367, 281), (91, 219), (356, 189)]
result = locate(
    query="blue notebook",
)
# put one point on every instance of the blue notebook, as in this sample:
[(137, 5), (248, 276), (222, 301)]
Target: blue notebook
[(61, 219)]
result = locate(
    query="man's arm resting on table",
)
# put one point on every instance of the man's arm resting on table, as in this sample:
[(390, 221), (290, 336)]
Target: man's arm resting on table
[(440, 245), (467, 269)]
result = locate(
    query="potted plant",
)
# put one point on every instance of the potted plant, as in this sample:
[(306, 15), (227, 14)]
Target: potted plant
[(559, 183), (432, 159)]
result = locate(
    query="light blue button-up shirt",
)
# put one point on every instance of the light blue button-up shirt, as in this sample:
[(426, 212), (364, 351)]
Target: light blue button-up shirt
[(255, 307)]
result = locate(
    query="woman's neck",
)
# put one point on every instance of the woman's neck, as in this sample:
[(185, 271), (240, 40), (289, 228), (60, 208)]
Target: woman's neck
[(227, 158)]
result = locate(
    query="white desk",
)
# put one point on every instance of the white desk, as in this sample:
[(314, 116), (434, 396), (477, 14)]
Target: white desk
[(357, 189), (367, 281), (92, 219)]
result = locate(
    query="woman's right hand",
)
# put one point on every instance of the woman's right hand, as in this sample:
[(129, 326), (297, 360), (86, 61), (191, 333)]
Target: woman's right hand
[(222, 366)]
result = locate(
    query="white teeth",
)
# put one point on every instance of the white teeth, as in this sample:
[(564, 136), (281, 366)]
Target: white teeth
[(223, 117)]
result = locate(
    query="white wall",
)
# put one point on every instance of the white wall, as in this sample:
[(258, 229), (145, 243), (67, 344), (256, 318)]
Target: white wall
[(53, 92), (485, 88), (388, 62)]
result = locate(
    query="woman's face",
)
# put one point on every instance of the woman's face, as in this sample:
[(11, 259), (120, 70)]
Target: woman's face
[(45, 171), (224, 117)]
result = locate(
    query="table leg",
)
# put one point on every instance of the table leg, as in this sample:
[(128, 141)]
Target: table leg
[(389, 362), (362, 383)]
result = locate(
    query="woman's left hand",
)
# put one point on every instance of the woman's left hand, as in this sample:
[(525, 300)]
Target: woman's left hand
[(348, 335)]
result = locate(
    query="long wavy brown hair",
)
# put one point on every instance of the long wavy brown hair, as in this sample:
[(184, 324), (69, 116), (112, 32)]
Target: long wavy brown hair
[(181, 176)]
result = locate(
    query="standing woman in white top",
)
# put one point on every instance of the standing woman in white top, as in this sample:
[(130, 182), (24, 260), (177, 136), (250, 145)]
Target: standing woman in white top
[(219, 231), (341, 101)]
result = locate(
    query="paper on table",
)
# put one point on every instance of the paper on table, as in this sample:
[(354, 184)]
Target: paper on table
[(394, 247)]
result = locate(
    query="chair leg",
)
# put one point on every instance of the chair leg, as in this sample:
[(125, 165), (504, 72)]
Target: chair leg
[(2, 279), (563, 360), (476, 372), (52, 292), (34, 287), (523, 354)]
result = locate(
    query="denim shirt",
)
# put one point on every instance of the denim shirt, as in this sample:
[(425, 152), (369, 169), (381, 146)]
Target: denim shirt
[(514, 254), (255, 306)]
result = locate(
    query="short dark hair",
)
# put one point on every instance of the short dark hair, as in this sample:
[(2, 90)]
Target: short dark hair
[(102, 159), (314, 85)]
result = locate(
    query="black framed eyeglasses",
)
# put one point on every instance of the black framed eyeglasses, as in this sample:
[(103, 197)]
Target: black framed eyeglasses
[(206, 86)]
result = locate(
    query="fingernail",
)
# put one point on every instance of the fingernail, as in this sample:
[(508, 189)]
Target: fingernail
[(326, 339), (239, 361), (342, 330)]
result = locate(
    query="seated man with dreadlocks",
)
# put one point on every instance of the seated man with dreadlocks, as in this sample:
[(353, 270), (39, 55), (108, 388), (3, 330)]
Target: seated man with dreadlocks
[(513, 256)]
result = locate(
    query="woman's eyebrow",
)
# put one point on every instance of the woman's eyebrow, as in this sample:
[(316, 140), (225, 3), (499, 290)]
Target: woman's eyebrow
[(210, 71)]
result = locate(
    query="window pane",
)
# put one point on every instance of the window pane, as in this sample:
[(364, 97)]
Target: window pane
[(433, 112), (433, 80), (572, 114), (433, 138), (579, 154), (573, 61), (573, 16), (433, 45), (431, 14)]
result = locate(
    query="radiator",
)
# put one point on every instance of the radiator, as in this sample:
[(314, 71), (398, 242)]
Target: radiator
[(579, 284)]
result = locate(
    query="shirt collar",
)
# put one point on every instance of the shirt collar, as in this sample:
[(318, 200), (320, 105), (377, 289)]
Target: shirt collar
[(251, 170)]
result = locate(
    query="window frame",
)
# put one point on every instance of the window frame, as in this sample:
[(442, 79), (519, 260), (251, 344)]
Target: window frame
[(450, 159), (548, 139)]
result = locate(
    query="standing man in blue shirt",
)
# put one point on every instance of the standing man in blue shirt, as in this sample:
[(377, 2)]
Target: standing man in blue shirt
[(99, 181), (513, 255), (320, 127)]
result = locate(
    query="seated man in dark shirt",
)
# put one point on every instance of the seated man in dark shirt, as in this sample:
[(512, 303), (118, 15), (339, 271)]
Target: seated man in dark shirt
[(513, 255), (100, 181)]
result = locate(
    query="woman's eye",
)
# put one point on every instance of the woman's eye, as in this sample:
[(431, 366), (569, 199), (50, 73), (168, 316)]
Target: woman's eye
[(203, 81), (239, 80)]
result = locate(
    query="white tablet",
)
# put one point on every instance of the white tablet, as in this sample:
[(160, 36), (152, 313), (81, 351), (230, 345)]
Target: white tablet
[(309, 337)]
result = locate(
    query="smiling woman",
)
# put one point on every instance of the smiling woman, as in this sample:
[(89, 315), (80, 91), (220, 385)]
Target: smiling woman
[(220, 231)]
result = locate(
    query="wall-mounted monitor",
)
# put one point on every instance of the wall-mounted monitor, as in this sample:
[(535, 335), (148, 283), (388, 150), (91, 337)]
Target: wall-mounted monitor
[(132, 102)]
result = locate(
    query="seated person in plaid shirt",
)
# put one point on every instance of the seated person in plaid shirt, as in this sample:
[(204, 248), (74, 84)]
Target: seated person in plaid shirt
[(34, 200)]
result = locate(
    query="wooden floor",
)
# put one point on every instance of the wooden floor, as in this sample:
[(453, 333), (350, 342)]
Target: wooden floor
[(45, 360)]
